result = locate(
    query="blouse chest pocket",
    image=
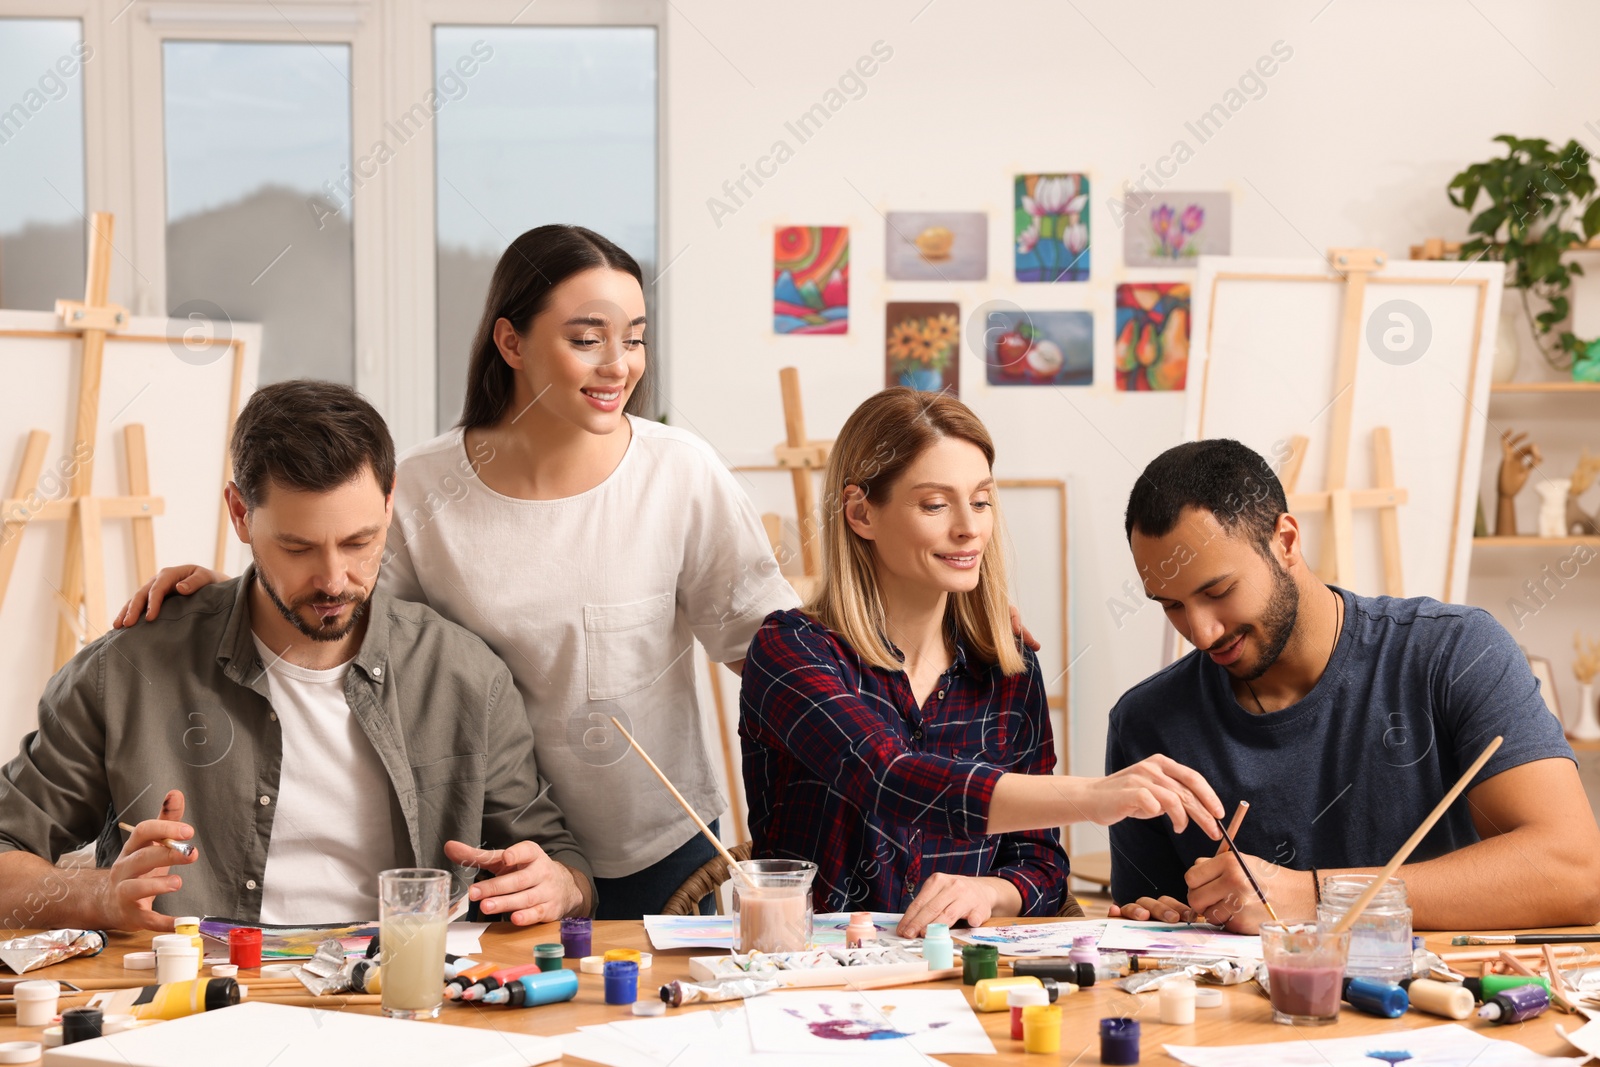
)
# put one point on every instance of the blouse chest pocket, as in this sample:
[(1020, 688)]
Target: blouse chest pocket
[(628, 646)]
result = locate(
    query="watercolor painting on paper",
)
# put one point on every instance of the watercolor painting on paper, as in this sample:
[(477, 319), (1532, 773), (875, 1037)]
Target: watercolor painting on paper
[(936, 246), (811, 279), (1039, 348), (922, 347), (1032, 939), (833, 1022), (1152, 337), (1175, 229), (1178, 939), (1449, 1045), (1052, 227)]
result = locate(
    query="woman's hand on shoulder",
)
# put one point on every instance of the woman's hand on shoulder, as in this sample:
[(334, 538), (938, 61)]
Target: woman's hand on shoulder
[(146, 600)]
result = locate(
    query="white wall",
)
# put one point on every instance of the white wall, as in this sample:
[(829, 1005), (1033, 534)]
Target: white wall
[(1352, 143)]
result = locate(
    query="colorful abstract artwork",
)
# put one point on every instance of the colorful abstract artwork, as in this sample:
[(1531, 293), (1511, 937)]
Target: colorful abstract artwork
[(1152, 337), (931, 1022), (922, 348), (1178, 939), (936, 246), (1032, 939), (811, 279), (1175, 229), (1052, 227), (1039, 348)]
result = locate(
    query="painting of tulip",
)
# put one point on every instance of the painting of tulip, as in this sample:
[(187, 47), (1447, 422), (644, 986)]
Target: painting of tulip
[(1052, 227), (811, 279), (1152, 337), (1174, 229), (1039, 348), (922, 347)]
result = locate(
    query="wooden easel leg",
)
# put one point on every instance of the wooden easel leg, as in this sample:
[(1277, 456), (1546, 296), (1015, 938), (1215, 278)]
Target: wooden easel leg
[(71, 588), (805, 499), (26, 487), (94, 569), (144, 530), (1341, 526), (1290, 478), (730, 767), (1388, 517)]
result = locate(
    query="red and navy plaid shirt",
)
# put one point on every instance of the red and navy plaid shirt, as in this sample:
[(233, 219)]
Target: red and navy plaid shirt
[(842, 768)]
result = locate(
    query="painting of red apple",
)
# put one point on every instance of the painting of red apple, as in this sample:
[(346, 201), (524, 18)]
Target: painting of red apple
[(1039, 348)]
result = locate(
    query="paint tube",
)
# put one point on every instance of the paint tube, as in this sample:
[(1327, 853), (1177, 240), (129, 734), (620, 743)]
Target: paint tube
[(171, 1001), (1425, 964), (24, 954), (1213, 972), (326, 972), (677, 994)]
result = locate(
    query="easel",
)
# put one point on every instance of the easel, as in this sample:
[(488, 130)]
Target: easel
[(83, 569), (801, 456)]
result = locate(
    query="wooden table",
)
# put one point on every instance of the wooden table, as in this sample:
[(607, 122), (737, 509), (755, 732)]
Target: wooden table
[(1244, 1017)]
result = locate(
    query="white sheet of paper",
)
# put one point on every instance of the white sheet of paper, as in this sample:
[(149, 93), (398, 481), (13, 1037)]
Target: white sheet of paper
[(464, 939), (832, 1022), (1434, 1046), (716, 931), (1585, 1038), (714, 1037), (1032, 939), (1192, 940)]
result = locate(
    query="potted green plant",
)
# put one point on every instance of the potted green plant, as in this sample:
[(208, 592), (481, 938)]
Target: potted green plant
[(1541, 204)]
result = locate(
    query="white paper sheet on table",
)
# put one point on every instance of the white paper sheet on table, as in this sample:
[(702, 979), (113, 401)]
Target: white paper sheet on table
[(708, 1038), (833, 1022), (1194, 940), (716, 931), (463, 939), (1434, 1046), (1032, 939)]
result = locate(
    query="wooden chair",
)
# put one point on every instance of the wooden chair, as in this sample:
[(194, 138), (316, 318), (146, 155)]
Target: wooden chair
[(709, 878)]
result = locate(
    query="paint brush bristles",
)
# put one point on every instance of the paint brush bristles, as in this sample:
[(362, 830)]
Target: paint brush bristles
[(735, 870), (182, 848), (1227, 839)]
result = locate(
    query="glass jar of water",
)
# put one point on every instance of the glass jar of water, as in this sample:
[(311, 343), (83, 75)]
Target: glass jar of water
[(1380, 940)]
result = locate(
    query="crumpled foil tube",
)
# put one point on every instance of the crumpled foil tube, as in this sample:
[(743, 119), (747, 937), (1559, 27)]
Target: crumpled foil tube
[(1212, 972), (41, 950)]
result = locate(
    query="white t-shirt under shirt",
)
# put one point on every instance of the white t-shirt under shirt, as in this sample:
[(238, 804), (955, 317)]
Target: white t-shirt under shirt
[(333, 829), (594, 601)]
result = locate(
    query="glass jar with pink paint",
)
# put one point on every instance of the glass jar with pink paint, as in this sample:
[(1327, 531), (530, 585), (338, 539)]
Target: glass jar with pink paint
[(1305, 971), (772, 905)]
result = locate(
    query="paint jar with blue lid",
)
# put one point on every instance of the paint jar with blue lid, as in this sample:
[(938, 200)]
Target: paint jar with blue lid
[(1380, 940), (1119, 1041), (622, 982)]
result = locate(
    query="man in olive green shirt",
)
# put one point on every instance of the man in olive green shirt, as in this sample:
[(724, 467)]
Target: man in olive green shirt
[(316, 728)]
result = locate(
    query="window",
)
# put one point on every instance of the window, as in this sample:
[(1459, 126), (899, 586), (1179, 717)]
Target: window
[(42, 225), (259, 223), (554, 124)]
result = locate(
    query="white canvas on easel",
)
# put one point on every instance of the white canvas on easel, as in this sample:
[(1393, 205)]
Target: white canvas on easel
[(184, 405), (1263, 363)]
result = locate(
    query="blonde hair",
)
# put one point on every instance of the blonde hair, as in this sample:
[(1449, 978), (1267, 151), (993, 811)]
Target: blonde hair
[(883, 437)]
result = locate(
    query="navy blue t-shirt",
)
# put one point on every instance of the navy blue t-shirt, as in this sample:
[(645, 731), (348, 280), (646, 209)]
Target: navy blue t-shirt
[(1413, 693)]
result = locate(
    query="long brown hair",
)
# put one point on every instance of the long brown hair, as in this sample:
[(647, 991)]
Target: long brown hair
[(530, 268), (880, 439)]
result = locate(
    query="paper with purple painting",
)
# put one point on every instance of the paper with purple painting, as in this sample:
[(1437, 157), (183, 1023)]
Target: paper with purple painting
[(930, 1021)]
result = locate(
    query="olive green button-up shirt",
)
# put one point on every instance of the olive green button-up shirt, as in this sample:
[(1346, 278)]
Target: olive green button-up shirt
[(183, 703)]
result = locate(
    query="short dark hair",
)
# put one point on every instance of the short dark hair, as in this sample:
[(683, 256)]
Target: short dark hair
[(308, 436), (533, 265), (1233, 482)]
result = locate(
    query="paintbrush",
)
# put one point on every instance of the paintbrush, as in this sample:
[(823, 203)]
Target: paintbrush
[(182, 848), (1415, 839), (1227, 839), (1525, 939), (737, 871), (1233, 827)]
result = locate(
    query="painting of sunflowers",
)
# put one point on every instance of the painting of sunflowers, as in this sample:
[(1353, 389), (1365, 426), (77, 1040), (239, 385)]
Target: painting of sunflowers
[(922, 348), (1175, 229), (811, 279), (1152, 337), (1052, 227)]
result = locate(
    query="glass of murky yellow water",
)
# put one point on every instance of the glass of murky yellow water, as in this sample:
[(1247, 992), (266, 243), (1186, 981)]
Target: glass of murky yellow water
[(413, 916)]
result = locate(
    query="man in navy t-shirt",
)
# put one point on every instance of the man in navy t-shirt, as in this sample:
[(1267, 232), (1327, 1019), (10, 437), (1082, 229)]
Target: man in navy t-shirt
[(1342, 719)]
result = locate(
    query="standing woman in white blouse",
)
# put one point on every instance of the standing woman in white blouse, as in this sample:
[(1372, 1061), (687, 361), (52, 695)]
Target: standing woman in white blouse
[(589, 548)]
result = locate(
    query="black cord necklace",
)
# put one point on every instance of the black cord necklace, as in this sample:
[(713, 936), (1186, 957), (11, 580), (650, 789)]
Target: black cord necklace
[(1338, 625)]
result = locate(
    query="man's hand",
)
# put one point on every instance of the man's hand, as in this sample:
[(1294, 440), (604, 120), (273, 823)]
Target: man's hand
[(529, 887), (953, 898), (1021, 631), (1163, 909), (146, 600), (142, 871), (1154, 786), (1219, 892)]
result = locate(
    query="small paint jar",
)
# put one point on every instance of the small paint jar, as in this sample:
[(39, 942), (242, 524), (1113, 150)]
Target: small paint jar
[(190, 924), (937, 948), (36, 1001), (1041, 1028), (860, 931), (82, 1024), (1119, 1041), (577, 937), (548, 956), (244, 947), (176, 960), (979, 962), (1177, 1003), (1020, 998), (1084, 951), (622, 982), (612, 955)]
